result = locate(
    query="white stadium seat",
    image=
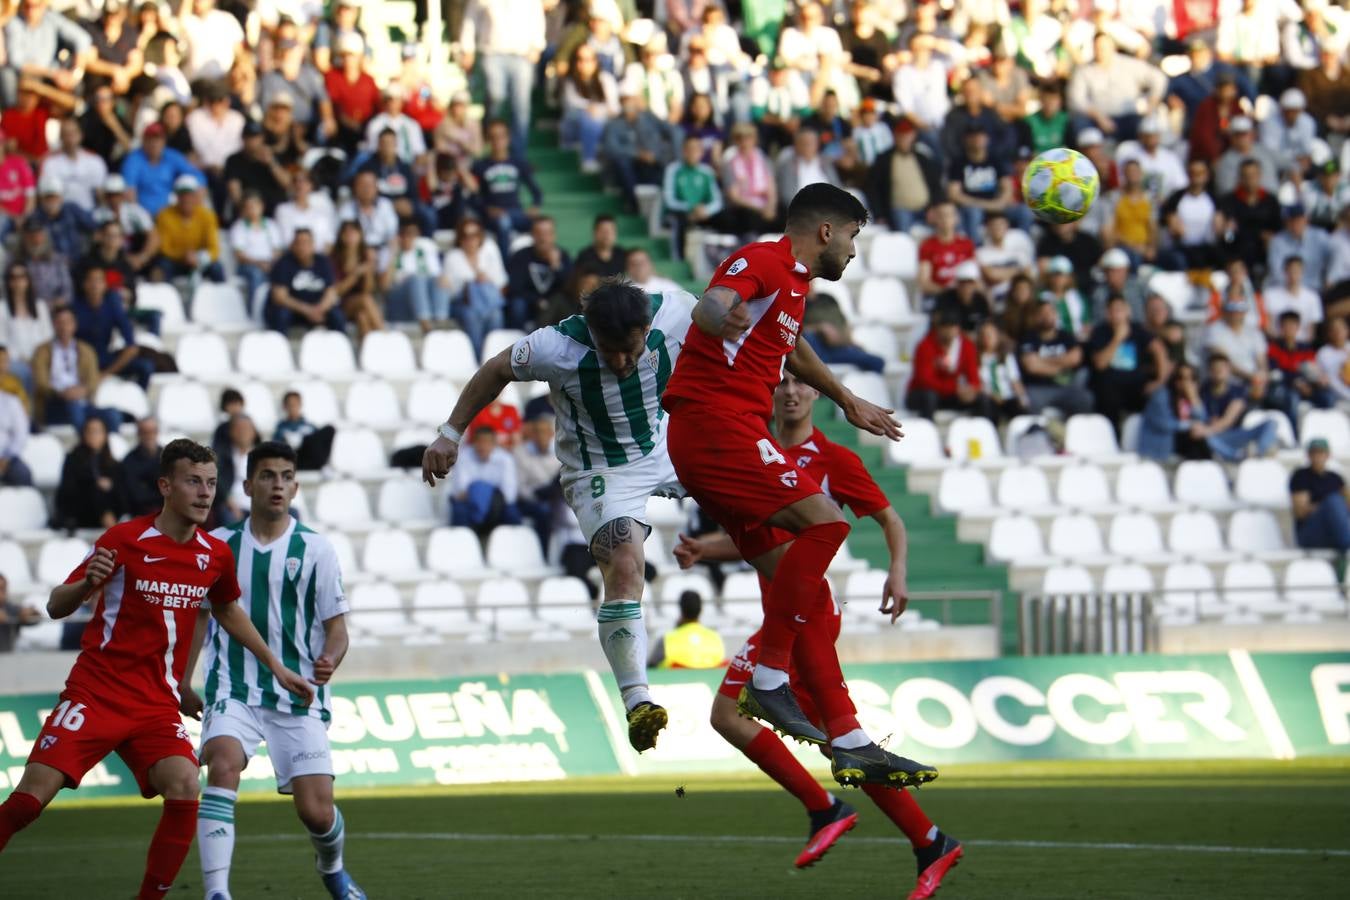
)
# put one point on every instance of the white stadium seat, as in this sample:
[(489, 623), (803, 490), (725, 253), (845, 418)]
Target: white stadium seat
[(894, 253), (866, 586), (1311, 584), (430, 400), (672, 586), (261, 406), (1331, 425), (406, 502), (1090, 434), (1262, 482), (373, 404), (457, 554), (186, 406), (22, 509), (1135, 535), (884, 301), (667, 513), (1195, 533), (319, 401), (392, 554), (345, 553), (870, 387), (921, 444), (566, 602), (1202, 483), (14, 566), (388, 354), (1127, 578), (327, 354), (1188, 586), (59, 557), (265, 355), (515, 549), (499, 339), (204, 356), (220, 307), (442, 607), (1283, 427), (1255, 531), (1075, 536), (165, 300), (879, 341), (1083, 487), (449, 354), (342, 504), (963, 489), (45, 457), (972, 436), (358, 451), (377, 608), (841, 294), (1129, 433), (1251, 585), (1143, 485), (1067, 580), (1015, 539), (503, 604), (1023, 488), (128, 396)]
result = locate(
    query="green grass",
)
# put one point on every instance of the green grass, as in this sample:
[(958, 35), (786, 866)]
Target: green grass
[(736, 837)]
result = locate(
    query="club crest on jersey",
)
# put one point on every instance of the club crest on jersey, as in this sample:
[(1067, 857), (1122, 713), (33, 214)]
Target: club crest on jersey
[(738, 266), (48, 741), (653, 359), (292, 567), (203, 560), (803, 462), (789, 479)]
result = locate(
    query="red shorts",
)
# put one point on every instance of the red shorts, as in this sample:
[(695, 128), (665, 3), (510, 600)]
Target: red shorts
[(743, 663), (79, 733), (738, 474)]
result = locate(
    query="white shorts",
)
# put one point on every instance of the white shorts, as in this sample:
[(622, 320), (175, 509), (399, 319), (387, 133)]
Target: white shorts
[(602, 495), (296, 745)]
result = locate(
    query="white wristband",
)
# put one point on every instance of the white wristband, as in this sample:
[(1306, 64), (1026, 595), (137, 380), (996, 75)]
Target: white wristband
[(449, 433)]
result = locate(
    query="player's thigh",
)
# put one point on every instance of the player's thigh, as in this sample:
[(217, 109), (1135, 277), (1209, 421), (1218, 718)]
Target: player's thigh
[(801, 514), (297, 746), (161, 757), (611, 510), (41, 781), (231, 733), (175, 777), (78, 733)]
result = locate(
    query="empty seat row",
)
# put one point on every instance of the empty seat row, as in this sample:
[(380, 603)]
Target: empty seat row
[(971, 437), (454, 553)]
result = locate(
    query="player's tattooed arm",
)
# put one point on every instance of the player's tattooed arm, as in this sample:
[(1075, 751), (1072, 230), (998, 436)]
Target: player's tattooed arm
[(721, 313), (609, 538)]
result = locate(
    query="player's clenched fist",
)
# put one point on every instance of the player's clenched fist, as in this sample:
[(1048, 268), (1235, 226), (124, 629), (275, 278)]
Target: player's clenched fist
[(101, 565), (323, 669), (297, 685), (439, 458), (688, 551)]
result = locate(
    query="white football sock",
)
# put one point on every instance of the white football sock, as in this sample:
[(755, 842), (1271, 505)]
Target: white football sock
[(329, 846), (767, 679), (851, 740), (623, 637), (215, 838)]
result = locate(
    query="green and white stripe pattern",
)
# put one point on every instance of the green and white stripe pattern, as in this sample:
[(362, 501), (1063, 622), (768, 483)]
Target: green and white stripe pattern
[(289, 589), (619, 610), (217, 805), (605, 421)]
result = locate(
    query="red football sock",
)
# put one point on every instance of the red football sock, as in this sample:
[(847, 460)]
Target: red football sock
[(794, 589), (168, 848), (771, 755), (18, 811), (904, 811)]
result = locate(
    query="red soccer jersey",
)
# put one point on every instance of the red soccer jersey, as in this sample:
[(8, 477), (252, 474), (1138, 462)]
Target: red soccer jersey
[(17, 184), (773, 286), (136, 646), (945, 256), (841, 474)]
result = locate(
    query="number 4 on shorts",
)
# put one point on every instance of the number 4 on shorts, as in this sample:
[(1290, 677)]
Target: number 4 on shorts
[(768, 453)]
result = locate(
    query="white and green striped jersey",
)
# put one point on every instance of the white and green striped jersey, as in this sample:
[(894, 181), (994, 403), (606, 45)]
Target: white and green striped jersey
[(604, 421), (289, 588)]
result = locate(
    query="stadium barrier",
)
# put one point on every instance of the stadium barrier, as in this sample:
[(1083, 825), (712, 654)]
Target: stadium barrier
[(549, 727)]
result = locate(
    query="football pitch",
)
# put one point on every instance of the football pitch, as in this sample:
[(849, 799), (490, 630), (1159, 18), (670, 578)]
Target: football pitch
[(1032, 830)]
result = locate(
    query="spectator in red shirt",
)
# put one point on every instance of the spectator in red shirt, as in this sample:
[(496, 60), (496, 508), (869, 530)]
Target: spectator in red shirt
[(940, 254), (18, 187), (502, 418), (1209, 126), (26, 124), (355, 96), (947, 371)]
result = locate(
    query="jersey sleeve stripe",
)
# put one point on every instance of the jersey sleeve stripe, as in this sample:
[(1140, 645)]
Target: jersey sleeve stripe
[(575, 328), (593, 398)]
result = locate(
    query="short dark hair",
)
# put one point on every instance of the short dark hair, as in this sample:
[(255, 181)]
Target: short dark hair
[(289, 394), (1292, 258), (482, 430), (268, 450), (691, 605), (1289, 314), (408, 222), (386, 130), (822, 202), (946, 316), (602, 219), (228, 396), (1216, 356), (1116, 297), (617, 307), (183, 448)]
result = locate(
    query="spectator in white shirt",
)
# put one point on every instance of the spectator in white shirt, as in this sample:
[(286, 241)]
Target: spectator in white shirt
[(812, 46), (216, 129), (1188, 222), (509, 37), (214, 38), (256, 242), (1163, 172), (639, 269), (13, 434), (375, 214), (656, 80), (412, 146), (412, 272), (477, 278), (483, 485), (80, 171), (309, 209), (1109, 89), (1290, 133), (1334, 357), (920, 88), (1294, 295), (1006, 253)]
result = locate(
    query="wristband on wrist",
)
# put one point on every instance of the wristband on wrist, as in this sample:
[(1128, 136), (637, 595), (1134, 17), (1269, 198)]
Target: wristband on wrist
[(450, 434)]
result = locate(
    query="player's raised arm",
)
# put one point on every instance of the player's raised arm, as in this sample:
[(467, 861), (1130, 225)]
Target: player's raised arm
[(806, 365), (489, 381), (232, 618), (720, 313), (66, 598), (895, 593)]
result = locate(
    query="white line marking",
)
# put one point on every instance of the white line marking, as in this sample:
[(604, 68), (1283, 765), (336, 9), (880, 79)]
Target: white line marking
[(1259, 698), (470, 837), (618, 734)]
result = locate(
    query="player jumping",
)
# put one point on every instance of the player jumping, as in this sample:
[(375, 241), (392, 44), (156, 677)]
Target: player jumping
[(720, 399), (606, 370), (152, 576), (292, 587), (844, 478)]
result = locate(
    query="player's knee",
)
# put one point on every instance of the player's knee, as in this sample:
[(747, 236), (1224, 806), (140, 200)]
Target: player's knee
[(181, 786), (316, 817)]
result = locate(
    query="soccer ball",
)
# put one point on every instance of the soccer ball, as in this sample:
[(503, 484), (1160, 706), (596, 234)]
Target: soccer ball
[(1060, 185)]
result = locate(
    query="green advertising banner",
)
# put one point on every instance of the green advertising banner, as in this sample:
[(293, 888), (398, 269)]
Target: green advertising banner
[(547, 727)]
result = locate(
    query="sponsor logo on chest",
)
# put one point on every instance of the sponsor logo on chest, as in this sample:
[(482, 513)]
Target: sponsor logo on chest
[(172, 594), (788, 328)]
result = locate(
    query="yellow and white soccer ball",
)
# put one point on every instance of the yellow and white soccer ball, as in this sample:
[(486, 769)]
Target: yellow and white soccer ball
[(1060, 185)]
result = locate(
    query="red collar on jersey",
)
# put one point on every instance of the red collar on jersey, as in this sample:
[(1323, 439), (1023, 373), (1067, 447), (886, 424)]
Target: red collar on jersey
[(784, 245)]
